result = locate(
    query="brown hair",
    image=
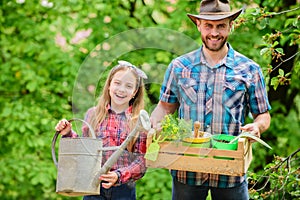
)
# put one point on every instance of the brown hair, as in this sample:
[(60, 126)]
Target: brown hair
[(137, 101)]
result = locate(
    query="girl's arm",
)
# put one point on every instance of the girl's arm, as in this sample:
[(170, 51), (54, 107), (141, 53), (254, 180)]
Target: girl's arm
[(136, 169)]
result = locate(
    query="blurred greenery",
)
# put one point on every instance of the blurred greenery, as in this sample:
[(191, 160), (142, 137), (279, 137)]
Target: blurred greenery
[(158, 181), (55, 56)]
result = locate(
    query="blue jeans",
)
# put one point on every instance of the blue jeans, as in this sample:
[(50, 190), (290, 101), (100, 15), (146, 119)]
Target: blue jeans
[(122, 192), (182, 191)]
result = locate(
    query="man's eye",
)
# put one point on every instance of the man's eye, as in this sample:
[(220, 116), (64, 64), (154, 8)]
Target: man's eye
[(222, 26), (207, 26)]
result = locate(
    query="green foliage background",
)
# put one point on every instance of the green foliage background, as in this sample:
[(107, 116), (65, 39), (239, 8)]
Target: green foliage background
[(38, 75)]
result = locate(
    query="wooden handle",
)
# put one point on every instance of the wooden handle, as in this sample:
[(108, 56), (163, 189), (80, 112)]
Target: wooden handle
[(196, 129)]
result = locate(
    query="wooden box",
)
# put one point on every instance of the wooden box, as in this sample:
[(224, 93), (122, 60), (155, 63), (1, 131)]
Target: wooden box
[(175, 155)]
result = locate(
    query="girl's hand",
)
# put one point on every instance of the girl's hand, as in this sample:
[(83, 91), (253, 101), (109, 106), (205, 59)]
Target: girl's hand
[(109, 179), (64, 127)]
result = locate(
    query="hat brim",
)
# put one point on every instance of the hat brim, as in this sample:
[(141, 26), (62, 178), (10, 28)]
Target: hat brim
[(214, 16)]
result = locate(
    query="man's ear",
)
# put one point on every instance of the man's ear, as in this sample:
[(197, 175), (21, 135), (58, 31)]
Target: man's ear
[(231, 24), (198, 22)]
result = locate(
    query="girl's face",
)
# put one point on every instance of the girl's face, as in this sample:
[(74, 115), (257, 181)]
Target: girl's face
[(122, 89)]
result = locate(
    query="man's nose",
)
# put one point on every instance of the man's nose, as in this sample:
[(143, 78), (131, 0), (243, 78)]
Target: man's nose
[(215, 32)]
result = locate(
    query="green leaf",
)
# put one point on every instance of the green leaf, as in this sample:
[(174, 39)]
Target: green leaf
[(281, 72), (6, 111), (288, 22), (275, 44), (256, 11), (32, 86), (279, 50), (263, 23), (275, 82), (264, 51), (297, 67)]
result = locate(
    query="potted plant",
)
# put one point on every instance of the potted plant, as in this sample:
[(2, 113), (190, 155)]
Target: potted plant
[(173, 129)]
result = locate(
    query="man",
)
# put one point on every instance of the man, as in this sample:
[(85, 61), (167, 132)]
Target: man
[(216, 86)]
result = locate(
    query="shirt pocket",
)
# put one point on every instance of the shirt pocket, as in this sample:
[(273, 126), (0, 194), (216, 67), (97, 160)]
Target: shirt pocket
[(234, 94), (106, 135), (188, 88)]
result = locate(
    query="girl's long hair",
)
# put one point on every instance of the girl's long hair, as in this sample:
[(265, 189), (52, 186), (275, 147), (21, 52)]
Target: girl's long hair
[(137, 101)]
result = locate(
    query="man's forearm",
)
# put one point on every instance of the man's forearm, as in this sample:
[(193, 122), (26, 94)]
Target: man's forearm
[(263, 121), (161, 110)]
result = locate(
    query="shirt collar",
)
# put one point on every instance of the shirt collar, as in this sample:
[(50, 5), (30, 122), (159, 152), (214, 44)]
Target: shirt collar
[(127, 112), (228, 61)]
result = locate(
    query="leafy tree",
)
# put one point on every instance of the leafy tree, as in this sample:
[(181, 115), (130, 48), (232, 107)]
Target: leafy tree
[(46, 50), (280, 179)]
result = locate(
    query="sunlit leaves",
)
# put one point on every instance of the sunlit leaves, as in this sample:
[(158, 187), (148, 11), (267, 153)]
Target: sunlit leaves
[(43, 46), (280, 179), (281, 79)]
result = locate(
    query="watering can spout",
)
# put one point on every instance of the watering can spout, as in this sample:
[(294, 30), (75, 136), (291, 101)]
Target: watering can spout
[(144, 120), (143, 124)]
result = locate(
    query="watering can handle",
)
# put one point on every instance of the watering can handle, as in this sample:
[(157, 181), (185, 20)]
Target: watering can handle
[(57, 134)]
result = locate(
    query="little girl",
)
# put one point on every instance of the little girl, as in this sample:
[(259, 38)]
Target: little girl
[(112, 119)]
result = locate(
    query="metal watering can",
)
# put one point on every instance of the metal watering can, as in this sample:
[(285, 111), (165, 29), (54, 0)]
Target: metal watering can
[(79, 159)]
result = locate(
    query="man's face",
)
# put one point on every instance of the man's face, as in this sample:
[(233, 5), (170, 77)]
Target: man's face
[(214, 33)]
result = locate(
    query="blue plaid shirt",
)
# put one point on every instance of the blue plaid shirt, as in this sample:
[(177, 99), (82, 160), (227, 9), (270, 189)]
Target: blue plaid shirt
[(219, 97)]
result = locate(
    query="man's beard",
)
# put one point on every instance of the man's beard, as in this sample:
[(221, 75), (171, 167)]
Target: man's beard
[(217, 48)]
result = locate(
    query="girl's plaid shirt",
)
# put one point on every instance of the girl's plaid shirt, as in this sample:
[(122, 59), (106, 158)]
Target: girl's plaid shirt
[(113, 131)]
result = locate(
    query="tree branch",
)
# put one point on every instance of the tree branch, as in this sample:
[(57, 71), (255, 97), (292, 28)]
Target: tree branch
[(275, 168), (285, 61), (285, 11)]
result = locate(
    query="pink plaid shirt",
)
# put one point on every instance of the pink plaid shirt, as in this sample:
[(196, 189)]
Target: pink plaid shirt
[(113, 131)]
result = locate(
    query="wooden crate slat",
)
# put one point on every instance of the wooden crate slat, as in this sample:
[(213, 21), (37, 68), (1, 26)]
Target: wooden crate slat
[(174, 155), (178, 148), (198, 164)]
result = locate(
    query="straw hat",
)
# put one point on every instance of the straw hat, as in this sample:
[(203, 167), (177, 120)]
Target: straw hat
[(215, 10)]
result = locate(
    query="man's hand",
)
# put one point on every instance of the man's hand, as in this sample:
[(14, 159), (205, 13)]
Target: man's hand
[(160, 111), (252, 129), (261, 123)]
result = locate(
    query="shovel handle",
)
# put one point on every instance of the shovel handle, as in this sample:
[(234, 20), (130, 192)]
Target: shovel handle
[(57, 134), (196, 129)]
